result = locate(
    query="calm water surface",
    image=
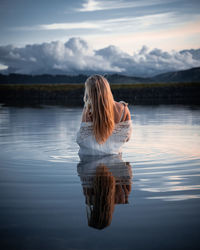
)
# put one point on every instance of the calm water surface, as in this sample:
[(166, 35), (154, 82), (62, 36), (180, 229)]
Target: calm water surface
[(147, 199)]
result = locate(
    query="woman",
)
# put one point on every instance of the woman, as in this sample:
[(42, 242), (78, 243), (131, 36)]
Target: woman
[(106, 125)]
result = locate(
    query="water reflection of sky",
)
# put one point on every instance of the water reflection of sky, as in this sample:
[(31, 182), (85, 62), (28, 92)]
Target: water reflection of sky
[(165, 142), (42, 180)]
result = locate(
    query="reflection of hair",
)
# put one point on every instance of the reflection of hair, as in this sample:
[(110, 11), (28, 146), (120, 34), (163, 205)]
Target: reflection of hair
[(99, 103), (101, 206)]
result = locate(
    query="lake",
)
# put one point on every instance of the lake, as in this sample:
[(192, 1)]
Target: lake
[(149, 198)]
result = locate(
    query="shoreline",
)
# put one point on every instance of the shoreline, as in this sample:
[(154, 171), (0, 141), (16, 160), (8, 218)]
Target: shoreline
[(72, 94)]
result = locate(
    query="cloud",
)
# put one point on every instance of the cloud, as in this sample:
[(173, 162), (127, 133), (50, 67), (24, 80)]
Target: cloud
[(148, 62), (94, 5), (72, 57), (75, 56), (66, 26), (112, 24), (194, 52)]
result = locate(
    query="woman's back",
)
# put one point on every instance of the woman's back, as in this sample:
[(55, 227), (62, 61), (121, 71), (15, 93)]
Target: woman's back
[(121, 113), (121, 133), (106, 124)]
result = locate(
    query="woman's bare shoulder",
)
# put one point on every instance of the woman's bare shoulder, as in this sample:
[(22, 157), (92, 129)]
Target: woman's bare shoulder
[(120, 106), (121, 103)]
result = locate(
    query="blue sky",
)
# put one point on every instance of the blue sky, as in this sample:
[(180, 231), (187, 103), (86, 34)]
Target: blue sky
[(165, 24), (129, 25)]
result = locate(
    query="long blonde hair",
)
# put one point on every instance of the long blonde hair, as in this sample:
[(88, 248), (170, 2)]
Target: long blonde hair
[(99, 104)]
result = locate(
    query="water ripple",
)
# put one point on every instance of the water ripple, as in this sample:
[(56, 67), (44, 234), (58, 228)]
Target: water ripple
[(164, 150)]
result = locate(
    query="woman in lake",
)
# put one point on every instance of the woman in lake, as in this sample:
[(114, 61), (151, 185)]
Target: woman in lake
[(106, 124)]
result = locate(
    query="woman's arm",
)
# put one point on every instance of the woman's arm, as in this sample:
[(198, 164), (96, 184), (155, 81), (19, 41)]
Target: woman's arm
[(128, 115)]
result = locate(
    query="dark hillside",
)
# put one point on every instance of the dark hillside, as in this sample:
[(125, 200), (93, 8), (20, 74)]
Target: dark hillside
[(190, 75), (72, 94)]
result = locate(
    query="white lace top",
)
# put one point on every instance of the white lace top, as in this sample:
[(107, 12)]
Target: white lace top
[(89, 146)]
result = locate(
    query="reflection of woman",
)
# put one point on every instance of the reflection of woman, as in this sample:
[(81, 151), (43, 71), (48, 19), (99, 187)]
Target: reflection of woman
[(106, 124), (106, 181)]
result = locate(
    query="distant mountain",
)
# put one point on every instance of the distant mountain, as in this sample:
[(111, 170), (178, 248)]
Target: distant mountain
[(190, 75), (116, 78), (40, 79)]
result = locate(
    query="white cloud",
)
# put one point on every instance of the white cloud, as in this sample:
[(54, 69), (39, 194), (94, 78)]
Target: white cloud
[(115, 25), (94, 5), (66, 26), (71, 57), (75, 56), (3, 67)]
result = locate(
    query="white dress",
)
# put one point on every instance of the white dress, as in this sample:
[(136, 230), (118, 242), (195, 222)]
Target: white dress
[(113, 145)]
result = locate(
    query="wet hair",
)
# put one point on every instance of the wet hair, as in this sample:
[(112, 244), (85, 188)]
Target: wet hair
[(99, 103)]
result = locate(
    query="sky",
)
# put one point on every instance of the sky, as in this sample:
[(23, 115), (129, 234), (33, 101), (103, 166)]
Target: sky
[(141, 37)]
